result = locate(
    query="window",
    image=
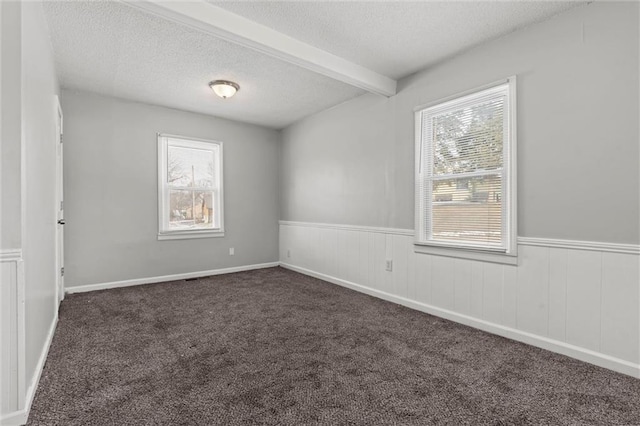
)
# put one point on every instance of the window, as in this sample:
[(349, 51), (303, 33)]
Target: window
[(189, 188), (465, 179)]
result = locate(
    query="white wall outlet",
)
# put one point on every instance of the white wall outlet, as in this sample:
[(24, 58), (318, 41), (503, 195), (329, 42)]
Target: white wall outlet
[(232, 251), (388, 265), (288, 252)]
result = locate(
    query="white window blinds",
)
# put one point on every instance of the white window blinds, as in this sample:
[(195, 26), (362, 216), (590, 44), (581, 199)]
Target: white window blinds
[(463, 167)]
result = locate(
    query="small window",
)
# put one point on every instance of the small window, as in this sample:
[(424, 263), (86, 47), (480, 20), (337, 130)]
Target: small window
[(465, 180), (462, 184), (189, 188)]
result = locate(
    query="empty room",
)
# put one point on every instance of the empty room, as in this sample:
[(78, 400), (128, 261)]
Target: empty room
[(319, 212)]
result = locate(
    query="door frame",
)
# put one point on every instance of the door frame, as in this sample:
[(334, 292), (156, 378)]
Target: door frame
[(59, 203)]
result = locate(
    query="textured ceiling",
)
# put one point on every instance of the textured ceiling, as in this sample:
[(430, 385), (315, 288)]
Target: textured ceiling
[(113, 49), (395, 38)]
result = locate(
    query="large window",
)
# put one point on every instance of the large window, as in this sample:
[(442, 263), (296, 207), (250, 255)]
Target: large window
[(189, 187), (465, 172)]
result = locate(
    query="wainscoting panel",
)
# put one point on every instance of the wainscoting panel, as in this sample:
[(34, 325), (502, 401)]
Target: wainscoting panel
[(578, 298), (619, 295), (584, 273), (12, 380), (558, 293)]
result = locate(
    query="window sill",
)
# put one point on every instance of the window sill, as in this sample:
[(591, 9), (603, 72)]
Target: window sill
[(190, 235), (470, 254)]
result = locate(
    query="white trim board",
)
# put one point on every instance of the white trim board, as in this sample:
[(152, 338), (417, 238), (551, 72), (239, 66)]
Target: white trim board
[(572, 351), (20, 417), (580, 245), (10, 255), (524, 241), (14, 418), (165, 278), (379, 230)]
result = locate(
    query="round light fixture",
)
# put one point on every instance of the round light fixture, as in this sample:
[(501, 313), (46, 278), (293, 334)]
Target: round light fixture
[(223, 88)]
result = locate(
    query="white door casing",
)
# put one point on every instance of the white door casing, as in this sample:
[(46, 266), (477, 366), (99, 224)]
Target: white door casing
[(59, 204)]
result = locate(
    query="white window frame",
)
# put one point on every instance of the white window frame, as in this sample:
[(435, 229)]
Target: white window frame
[(507, 253), (164, 233)]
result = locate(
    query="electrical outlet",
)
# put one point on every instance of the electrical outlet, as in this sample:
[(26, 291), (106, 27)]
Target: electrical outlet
[(388, 265), (288, 253), (232, 251)]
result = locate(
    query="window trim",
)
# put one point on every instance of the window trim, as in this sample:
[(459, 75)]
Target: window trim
[(508, 254), (163, 189)]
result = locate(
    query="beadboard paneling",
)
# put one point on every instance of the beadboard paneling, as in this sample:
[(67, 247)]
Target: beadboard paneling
[(557, 293), (584, 277), (583, 300), (11, 332), (620, 294)]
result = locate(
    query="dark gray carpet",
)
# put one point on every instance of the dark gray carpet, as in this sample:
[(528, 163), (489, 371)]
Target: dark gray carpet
[(276, 347)]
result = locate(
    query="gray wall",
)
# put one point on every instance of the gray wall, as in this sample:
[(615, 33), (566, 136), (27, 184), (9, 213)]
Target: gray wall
[(577, 133), (28, 170), (111, 192), (10, 128)]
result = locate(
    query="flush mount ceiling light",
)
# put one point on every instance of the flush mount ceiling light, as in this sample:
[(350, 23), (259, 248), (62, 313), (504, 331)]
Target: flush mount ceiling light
[(223, 88)]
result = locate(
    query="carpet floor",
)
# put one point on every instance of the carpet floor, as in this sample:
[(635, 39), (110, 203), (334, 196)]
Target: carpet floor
[(273, 346)]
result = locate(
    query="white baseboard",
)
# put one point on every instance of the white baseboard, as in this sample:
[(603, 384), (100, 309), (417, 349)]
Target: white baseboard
[(15, 418), (20, 417), (552, 345), (165, 278)]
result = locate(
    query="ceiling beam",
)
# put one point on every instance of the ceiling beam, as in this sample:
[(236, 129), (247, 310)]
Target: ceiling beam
[(229, 26)]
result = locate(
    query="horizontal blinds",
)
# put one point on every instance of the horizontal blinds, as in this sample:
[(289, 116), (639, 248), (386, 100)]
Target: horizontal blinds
[(461, 185), (191, 167)]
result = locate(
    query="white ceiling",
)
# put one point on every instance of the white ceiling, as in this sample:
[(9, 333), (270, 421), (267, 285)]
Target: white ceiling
[(114, 49), (396, 38)]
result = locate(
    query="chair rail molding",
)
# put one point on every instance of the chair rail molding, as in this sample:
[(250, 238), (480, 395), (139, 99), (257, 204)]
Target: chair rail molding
[(580, 245), (523, 241)]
